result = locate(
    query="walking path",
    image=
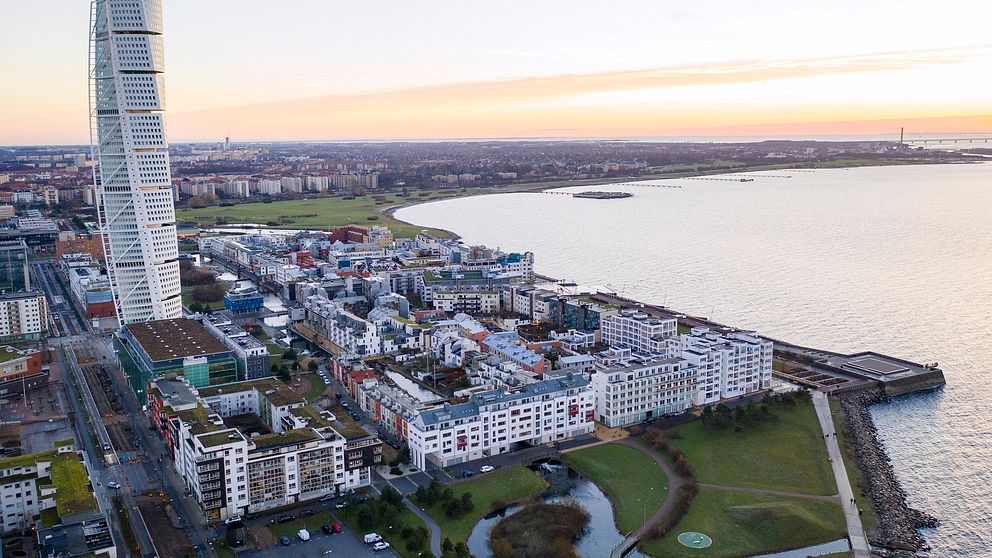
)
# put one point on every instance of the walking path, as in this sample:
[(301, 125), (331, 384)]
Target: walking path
[(832, 499), (431, 524), (855, 531), (674, 484)]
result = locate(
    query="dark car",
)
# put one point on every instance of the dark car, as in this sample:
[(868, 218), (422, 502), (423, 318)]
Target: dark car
[(338, 395), (326, 529), (466, 474), (286, 518), (308, 513), (285, 541)]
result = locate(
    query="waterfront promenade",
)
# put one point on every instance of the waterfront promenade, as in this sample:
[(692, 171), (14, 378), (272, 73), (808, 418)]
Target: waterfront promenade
[(855, 531)]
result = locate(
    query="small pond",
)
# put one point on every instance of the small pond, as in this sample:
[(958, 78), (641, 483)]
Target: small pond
[(601, 535)]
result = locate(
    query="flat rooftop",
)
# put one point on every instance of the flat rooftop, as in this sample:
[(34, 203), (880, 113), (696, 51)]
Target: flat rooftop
[(175, 338), (278, 393)]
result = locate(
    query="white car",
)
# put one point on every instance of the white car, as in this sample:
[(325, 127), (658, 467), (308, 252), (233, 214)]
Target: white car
[(372, 538), (381, 545), (232, 519), (487, 469), (114, 485)]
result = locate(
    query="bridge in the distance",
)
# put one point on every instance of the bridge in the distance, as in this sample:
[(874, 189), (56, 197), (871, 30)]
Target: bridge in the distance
[(925, 139)]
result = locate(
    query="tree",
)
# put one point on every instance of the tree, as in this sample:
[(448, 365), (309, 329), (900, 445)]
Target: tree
[(392, 497), (313, 365), (291, 354), (365, 518), (446, 545), (467, 503)]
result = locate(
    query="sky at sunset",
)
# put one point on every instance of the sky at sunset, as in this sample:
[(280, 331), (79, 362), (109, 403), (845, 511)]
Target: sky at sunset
[(342, 69)]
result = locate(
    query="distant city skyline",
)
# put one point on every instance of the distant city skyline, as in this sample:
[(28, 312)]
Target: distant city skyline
[(307, 70)]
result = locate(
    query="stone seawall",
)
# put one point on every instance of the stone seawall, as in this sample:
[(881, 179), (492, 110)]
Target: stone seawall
[(898, 524)]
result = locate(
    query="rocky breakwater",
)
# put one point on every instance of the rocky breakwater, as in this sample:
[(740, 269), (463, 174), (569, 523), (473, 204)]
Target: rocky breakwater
[(898, 524)]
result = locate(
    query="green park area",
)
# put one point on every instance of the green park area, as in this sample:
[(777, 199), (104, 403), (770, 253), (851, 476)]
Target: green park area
[(488, 492), (290, 529), (745, 524), (631, 479), (317, 213), (785, 452)]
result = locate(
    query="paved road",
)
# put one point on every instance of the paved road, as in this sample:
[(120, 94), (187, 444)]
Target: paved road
[(855, 531), (346, 544)]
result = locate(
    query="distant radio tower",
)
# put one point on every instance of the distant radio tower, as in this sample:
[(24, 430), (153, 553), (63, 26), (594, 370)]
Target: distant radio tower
[(901, 131)]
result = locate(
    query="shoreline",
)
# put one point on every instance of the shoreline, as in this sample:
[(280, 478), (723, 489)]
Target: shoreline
[(538, 187), (899, 525)]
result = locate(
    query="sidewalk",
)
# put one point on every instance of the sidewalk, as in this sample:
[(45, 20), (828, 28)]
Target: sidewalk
[(856, 532)]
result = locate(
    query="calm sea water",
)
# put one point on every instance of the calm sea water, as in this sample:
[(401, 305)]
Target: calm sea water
[(893, 259)]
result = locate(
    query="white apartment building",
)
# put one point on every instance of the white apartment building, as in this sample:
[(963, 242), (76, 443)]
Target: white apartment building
[(238, 188), (351, 333), (728, 365), (643, 388), (472, 302), (132, 176), (638, 331), (26, 488), (496, 422), (306, 456), (23, 316), (267, 187), (198, 188), (291, 184), (317, 183)]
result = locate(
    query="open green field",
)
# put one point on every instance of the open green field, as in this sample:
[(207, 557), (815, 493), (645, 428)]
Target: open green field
[(505, 485), (787, 454), (72, 493), (317, 213), (634, 483), (745, 524), (868, 519), (187, 296), (391, 532)]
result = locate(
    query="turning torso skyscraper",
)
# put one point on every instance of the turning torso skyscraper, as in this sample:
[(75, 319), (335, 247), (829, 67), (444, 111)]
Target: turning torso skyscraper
[(132, 177)]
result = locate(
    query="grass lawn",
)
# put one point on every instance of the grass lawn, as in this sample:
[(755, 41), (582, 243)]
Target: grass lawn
[(838, 555), (275, 349), (868, 519), (316, 388), (187, 295), (787, 454), (632, 480), (309, 523), (318, 213), (391, 533), (506, 485), (745, 524)]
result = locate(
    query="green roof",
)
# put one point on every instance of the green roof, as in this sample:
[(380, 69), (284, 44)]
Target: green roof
[(220, 438), (350, 431), (50, 518), (64, 443), (72, 494), (295, 436), (314, 420), (26, 460), (6, 355), (198, 419), (280, 395)]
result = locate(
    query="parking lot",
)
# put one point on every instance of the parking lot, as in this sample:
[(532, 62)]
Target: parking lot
[(346, 543)]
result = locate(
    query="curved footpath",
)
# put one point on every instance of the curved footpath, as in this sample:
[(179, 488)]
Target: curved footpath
[(432, 525)]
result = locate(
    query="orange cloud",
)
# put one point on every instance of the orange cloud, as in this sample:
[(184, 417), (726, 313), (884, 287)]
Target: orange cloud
[(527, 106)]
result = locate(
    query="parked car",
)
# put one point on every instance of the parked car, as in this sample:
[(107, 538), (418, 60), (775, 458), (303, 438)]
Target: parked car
[(372, 538), (337, 396), (327, 497), (303, 534), (286, 518), (326, 528), (285, 541), (381, 545), (487, 469), (341, 505), (232, 519), (308, 513), (336, 527), (466, 474), (114, 485)]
